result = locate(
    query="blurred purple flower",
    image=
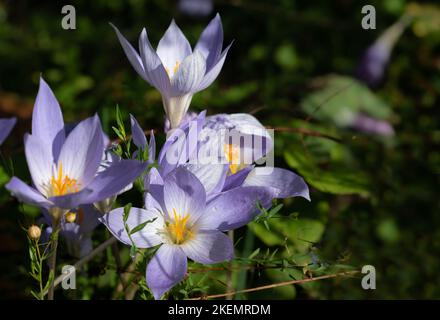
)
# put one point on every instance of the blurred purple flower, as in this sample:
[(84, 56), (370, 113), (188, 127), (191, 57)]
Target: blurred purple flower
[(64, 169), (78, 232), (174, 69), (371, 68), (196, 8), (6, 126), (368, 124), (185, 225)]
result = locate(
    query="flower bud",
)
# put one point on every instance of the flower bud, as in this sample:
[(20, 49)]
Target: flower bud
[(34, 232), (70, 216)]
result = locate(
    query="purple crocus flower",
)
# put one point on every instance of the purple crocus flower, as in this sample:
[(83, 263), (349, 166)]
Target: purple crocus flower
[(185, 225), (174, 69), (6, 126), (368, 124), (196, 8), (371, 68), (64, 169)]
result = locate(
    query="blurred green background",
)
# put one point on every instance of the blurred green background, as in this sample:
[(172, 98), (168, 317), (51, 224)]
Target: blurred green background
[(375, 200)]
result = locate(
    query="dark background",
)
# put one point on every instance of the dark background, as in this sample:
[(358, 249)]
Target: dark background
[(375, 200)]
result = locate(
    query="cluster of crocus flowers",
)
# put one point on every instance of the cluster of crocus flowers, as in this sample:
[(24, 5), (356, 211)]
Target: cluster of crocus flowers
[(189, 203), (65, 167), (174, 68)]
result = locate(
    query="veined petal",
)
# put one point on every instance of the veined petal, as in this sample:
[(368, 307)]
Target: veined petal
[(234, 208), (137, 133), (212, 176), (282, 183), (153, 184), (114, 179), (237, 179), (189, 75), (184, 194), (166, 269), (47, 120), (209, 247), (173, 48), (81, 154), (6, 126), (211, 41), (213, 73), (131, 54), (147, 237), (27, 194), (39, 162), (153, 66), (152, 148)]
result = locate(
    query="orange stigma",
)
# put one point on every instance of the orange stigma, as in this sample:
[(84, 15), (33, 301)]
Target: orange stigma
[(62, 184)]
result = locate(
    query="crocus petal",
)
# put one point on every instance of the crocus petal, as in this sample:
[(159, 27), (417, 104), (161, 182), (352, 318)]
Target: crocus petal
[(213, 73), (154, 69), (211, 41), (282, 183), (145, 238), (6, 126), (237, 179), (114, 179), (209, 247), (173, 47), (89, 219), (81, 154), (47, 119), (39, 162), (189, 75), (27, 194), (137, 133), (131, 54), (166, 269), (234, 208), (184, 194), (212, 176), (152, 148)]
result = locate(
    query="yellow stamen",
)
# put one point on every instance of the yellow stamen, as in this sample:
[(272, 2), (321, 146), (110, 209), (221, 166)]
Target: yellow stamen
[(232, 154), (62, 184), (178, 228), (176, 67)]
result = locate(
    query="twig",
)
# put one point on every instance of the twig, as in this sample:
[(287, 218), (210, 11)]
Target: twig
[(275, 285), (86, 259), (306, 132)]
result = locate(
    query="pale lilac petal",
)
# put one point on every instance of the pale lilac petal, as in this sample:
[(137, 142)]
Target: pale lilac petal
[(114, 179), (211, 41), (189, 75), (237, 179), (173, 47), (212, 176), (153, 66), (81, 154), (6, 126), (153, 185), (234, 208), (27, 194), (39, 162), (209, 247), (166, 269), (131, 54), (213, 73), (184, 194), (47, 119), (152, 148), (137, 133), (282, 183), (147, 237)]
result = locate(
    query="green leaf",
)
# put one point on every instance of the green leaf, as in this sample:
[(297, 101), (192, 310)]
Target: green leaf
[(338, 99), (127, 209), (141, 226)]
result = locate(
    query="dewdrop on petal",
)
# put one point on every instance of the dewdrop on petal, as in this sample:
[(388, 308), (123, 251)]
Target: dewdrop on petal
[(70, 216), (34, 232)]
